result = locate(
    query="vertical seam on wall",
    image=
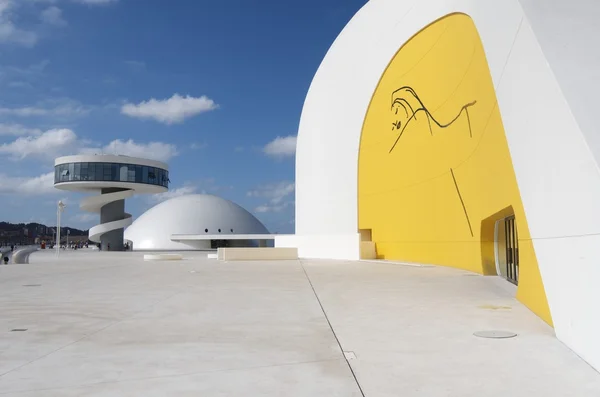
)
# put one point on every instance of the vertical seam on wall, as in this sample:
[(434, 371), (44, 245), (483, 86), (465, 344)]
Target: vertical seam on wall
[(497, 87), (508, 57), (462, 202)]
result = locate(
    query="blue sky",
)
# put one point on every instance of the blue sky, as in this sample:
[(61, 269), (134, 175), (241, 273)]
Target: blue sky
[(214, 88)]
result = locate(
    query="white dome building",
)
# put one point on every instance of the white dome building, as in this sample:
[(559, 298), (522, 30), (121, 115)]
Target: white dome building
[(192, 222)]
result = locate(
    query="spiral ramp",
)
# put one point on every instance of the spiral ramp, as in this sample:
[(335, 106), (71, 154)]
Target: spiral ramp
[(96, 203)]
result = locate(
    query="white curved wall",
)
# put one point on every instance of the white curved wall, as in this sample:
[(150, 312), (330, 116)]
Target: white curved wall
[(191, 214), (556, 171), (567, 32), (329, 140)]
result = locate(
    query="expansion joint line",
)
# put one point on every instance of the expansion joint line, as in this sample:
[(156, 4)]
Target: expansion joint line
[(462, 202), (362, 393)]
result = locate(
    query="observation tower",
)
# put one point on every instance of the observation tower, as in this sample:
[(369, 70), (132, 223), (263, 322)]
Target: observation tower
[(113, 178)]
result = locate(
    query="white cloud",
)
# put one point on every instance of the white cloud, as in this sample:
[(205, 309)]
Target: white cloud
[(262, 208), (169, 111), (53, 16), (33, 70), (23, 76), (272, 208), (30, 186), (85, 2), (51, 143), (18, 130), (182, 191), (20, 84), (201, 186), (136, 65), (153, 150), (198, 146), (59, 108), (210, 186), (9, 32), (281, 147), (85, 217), (56, 142), (277, 194), (84, 220), (94, 2), (25, 111)]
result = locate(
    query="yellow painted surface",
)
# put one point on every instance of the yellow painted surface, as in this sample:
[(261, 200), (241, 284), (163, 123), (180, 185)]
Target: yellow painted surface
[(435, 172)]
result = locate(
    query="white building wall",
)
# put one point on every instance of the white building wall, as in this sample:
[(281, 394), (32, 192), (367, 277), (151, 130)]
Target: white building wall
[(567, 32), (337, 101), (557, 173), (328, 138), (338, 246), (560, 188), (194, 214)]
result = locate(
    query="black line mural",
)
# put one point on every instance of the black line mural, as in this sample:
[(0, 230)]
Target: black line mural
[(461, 201), (401, 101), (403, 109)]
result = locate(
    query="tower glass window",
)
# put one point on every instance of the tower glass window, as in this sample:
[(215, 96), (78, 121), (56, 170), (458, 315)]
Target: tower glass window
[(111, 172)]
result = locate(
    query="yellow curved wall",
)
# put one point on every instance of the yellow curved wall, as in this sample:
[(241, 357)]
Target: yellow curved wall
[(435, 172)]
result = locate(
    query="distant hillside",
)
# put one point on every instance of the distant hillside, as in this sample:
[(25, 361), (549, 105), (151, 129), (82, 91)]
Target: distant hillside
[(36, 229)]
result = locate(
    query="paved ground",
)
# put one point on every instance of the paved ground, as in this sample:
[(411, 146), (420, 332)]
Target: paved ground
[(104, 324)]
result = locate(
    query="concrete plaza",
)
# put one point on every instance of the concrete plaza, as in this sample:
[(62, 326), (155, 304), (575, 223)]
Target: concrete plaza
[(110, 324)]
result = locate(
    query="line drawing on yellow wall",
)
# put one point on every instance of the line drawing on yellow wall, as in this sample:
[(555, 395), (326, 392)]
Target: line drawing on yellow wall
[(400, 99), (462, 202), (401, 102)]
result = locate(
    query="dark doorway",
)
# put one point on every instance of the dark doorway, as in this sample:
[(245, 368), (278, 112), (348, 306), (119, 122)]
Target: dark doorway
[(512, 250), (214, 244)]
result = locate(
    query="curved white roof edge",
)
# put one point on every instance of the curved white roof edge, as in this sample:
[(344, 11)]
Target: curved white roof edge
[(96, 185), (109, 158), (193, 215)]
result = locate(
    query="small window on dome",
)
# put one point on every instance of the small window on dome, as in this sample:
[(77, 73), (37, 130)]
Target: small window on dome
[(231, 230), (219, 230), (205, 230)]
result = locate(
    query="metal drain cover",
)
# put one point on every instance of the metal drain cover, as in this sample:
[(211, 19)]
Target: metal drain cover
[(495, 334), (18, 330), (32, 285)]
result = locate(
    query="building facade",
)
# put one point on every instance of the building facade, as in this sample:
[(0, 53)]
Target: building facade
[(195, 222), (462, 133), (113, 178)]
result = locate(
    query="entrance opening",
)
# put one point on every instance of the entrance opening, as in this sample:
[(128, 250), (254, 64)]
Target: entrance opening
[(507, 249), (214, 244)]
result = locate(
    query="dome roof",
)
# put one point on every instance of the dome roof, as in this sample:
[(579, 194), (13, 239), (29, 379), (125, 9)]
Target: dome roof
[(190, 214)]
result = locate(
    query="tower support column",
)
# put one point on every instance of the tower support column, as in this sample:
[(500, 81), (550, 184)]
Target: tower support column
[(113, 211)]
